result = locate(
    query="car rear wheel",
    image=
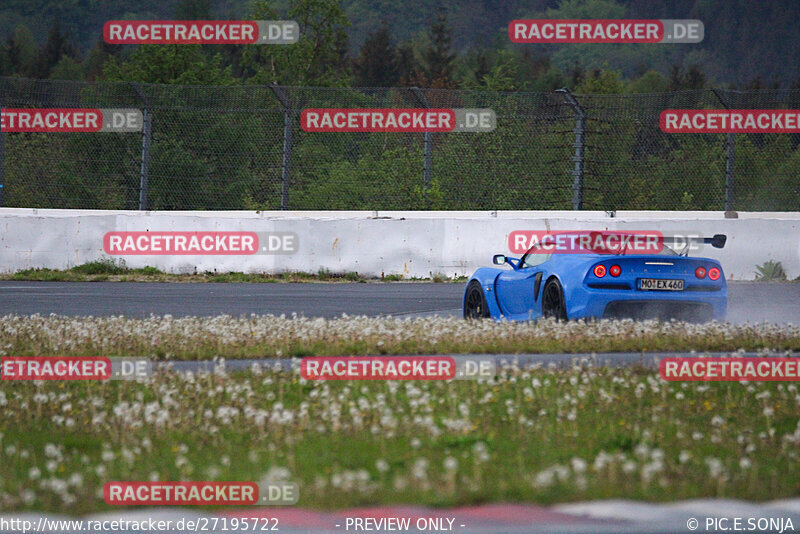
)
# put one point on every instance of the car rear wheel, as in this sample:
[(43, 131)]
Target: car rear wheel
[(475, 306), (553, 304)]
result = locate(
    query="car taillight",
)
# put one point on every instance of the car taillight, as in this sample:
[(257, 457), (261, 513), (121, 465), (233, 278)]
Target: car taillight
[(615, 270), (599, 271), (700, 272), (714, 273)]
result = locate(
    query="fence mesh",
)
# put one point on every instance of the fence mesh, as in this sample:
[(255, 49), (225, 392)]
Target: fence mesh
[(241, 147)]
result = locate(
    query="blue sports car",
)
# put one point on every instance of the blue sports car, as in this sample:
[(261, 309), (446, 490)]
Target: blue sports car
[(595, 285)]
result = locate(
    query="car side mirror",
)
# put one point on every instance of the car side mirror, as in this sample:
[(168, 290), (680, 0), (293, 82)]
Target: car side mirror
[(499, 259)]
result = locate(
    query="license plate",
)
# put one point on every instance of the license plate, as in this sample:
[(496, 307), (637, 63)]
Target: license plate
[(656, 284)]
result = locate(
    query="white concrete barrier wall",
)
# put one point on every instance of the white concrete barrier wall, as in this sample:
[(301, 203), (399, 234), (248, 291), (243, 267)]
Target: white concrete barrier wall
[(414, 244)]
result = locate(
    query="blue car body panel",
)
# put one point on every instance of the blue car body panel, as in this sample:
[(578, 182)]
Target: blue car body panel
[(516, 294)]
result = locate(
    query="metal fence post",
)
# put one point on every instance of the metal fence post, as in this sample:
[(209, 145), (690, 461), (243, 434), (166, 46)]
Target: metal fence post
[(2, 160), (147, 137), (579, 159), (730, 154), (730, 159), (287, 143), (427, 168)]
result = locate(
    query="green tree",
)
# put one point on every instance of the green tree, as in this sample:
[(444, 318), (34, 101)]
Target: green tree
[(691, 78), (649, 82), (602, 81), (503, 76), (587, 9), (473, 67), (97, 57), (438, 57), (56, 47), (193, 10), (19, 52), (408, 69), (67, 69), (319, 57), (376, 65), (169, 64)]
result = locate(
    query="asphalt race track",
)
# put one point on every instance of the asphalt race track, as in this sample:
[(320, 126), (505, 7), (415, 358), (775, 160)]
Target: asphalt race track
[(748, 301), (179, 299)]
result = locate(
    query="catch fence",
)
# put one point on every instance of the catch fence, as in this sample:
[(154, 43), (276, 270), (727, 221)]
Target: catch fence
[(242, 147)]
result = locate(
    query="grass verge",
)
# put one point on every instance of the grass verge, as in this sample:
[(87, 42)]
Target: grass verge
[(110, 271), (530, 435), (262, 336)]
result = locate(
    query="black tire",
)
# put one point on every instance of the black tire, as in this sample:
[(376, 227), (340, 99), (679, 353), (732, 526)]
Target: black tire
[(475, 306), (553, 304)]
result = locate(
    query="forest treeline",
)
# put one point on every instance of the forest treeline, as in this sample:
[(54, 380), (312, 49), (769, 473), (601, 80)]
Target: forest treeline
[(383, 43), (218, 128)]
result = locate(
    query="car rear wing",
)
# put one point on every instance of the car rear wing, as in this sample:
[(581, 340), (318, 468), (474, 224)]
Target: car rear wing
[(717, 241)]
